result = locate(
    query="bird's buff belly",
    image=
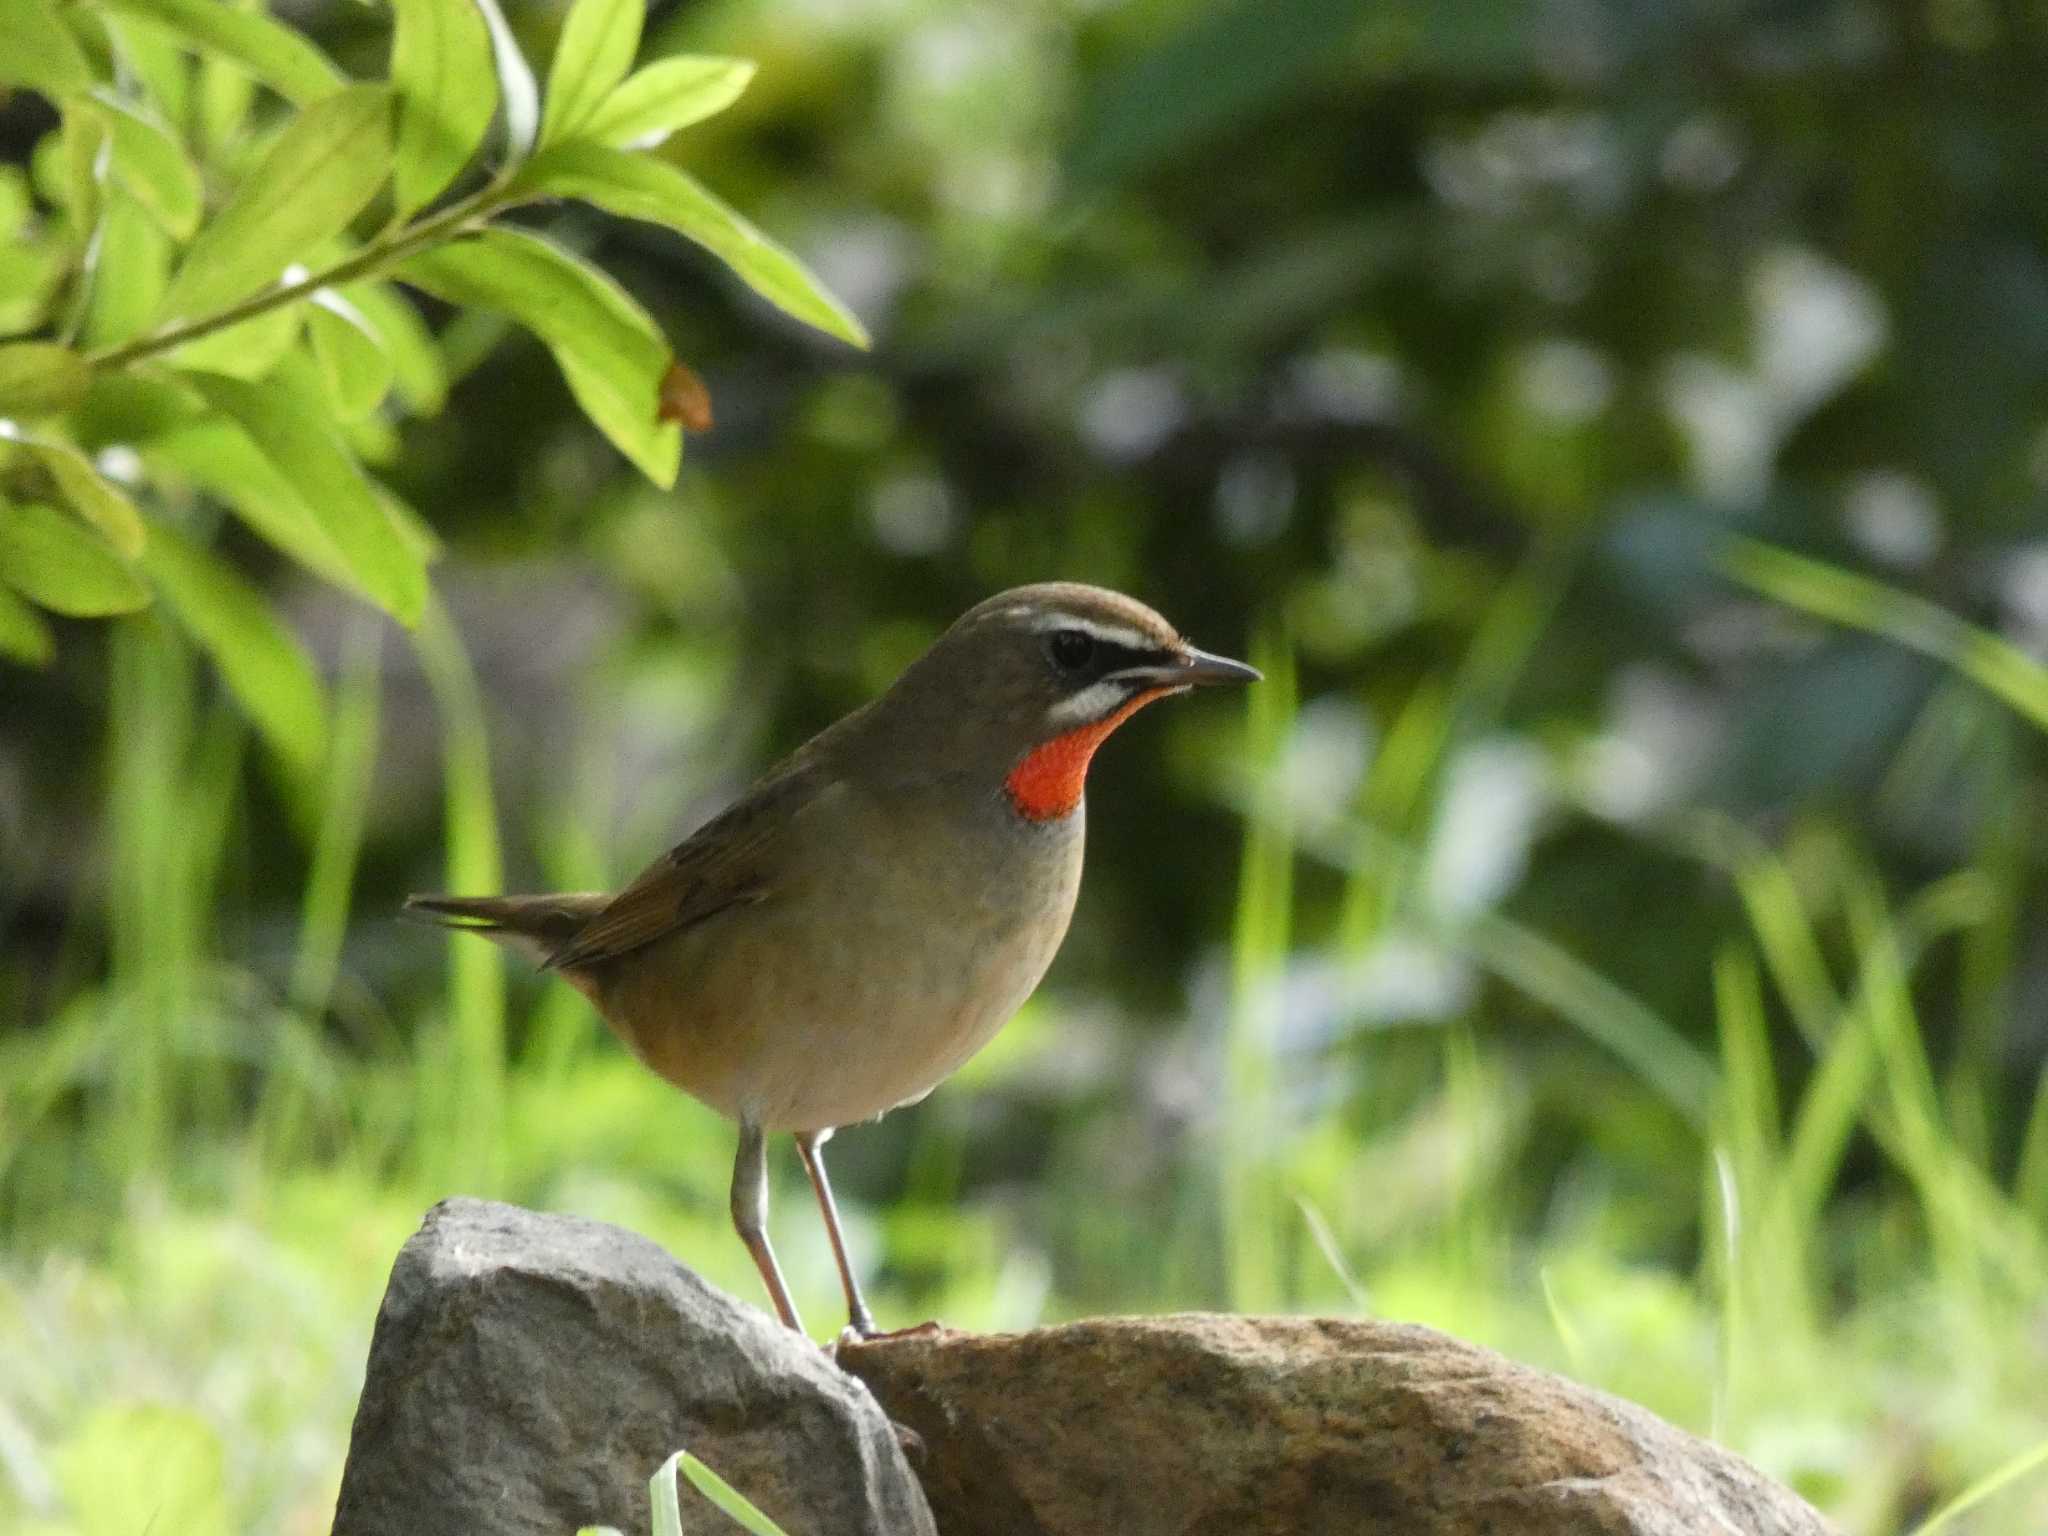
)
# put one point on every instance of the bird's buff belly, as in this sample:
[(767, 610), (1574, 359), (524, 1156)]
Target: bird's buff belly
[(883, 1005)]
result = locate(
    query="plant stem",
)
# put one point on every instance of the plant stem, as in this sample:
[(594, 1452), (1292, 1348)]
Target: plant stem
[(380, 253)]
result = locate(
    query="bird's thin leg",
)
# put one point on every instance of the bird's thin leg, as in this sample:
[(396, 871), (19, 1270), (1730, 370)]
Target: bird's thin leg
[(750, 1216), (811, 1144)]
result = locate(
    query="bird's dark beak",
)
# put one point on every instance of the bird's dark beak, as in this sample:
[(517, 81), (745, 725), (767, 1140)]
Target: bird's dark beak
[(1179, 668), (1198, 668)]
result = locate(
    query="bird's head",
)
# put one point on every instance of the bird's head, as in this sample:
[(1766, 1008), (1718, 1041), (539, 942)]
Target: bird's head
[(1029, 683)]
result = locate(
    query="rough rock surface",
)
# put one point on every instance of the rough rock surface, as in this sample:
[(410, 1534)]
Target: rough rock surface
[(529, 1373), (1223, 1426)]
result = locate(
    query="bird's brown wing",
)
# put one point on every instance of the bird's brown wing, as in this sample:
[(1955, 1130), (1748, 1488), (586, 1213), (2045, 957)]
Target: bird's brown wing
[(728, 862)]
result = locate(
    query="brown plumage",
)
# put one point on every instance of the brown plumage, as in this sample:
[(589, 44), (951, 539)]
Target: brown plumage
[(865, 917)]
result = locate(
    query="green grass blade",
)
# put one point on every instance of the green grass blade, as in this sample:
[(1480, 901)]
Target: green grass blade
[(1994, 664), (1988, 1486), (467, 1144), (1259, 944), (351, 763), (728, 1499), (1606, 1014)]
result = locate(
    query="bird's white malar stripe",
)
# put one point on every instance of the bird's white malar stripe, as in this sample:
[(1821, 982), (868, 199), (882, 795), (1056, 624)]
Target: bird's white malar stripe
[(1092, 703), (1109, 634)]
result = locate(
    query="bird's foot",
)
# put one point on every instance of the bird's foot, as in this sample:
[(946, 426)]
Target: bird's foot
[(853, 1333)]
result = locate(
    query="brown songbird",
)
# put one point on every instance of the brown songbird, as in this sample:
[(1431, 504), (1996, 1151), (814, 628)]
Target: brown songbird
[(879, 904)]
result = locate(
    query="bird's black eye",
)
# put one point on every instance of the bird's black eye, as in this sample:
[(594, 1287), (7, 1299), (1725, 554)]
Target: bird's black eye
[(1071, 649)]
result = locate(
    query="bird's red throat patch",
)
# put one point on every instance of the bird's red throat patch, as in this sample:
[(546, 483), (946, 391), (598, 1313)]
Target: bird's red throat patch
[(1048, 783)]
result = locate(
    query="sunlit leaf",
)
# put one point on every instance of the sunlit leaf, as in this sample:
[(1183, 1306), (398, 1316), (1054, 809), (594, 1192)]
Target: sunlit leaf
[(250, 350), (49, 556), (608, 347), (127, 405), (130, 268), (274, 53), (24, 637), (413, 528), (219, 458), (39, 52), (354, 366), (152, 165), (638, 187), (40, 378), (226, 94), (75, 171), (92, 497), (317, 177), (668, 94), (289, 430), (417, 372), (596, 49), (516, 90), (655, 446), (30, 273), (447, 88), (151, 57), (261, 661)]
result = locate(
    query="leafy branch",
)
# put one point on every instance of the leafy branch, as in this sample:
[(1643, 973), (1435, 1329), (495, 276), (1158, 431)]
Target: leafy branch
[(246, 349)]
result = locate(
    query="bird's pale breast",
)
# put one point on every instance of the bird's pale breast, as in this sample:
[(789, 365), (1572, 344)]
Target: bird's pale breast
[(911, 936)]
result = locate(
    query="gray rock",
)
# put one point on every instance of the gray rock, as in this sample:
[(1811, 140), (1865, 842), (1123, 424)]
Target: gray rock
[(1236, 1426), (529, 1373)]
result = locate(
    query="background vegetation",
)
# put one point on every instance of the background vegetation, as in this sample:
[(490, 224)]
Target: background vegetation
[(1614, 934)]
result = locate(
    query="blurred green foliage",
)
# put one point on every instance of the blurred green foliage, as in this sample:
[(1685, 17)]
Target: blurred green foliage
[(1614, 933)]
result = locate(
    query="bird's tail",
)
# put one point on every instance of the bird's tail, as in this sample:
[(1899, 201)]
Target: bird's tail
[(536, 926)]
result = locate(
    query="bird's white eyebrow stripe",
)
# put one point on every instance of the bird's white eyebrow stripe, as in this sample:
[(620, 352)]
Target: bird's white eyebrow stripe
[(1109, 634)]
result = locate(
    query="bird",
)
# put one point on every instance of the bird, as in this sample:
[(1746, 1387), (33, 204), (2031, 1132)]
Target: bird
[(877, 905)]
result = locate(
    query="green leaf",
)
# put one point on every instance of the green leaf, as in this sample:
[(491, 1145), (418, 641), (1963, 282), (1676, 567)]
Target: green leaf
[(447, 90), (272, 52), (29, 277), (320, 174), (608, 347), (656, 448), (251, 350), (287, 426), (218, 456), (39, 52), (40, 378), (227, 92), (152, 166), (638, 187), (148, 56), (417, 372), (82, 154), (668, 94), (91, 497), (16, 204), (261, 661), (129, 267), (24, 637), (47, 555), (596, 49), (354, 367), (516, 89)]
